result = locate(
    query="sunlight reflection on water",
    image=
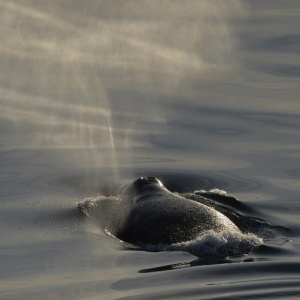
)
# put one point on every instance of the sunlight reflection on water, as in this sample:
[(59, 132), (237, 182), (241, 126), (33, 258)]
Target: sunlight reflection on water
[(94, 94)]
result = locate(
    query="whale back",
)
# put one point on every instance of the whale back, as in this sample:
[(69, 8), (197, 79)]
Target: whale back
[(158, 216)]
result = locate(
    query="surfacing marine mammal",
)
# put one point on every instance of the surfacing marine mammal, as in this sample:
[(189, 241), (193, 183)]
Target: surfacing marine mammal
[(154, 215)]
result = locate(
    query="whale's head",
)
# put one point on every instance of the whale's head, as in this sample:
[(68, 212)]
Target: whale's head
[(142, 188), (144, 182)]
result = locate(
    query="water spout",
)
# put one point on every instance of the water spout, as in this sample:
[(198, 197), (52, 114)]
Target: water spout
[(105, 81)]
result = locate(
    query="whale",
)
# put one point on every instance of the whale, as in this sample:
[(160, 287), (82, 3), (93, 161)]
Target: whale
[(155, 215)]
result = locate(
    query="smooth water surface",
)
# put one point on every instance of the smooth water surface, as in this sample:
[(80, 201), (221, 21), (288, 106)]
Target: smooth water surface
[(94, 94)]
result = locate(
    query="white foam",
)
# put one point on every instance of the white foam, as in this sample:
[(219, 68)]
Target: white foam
[(211, 243), (214, 191)]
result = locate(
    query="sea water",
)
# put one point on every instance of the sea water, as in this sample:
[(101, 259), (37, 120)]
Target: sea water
[(93, 94)]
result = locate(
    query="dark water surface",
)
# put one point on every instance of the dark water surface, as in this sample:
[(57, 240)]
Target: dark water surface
[(94, 94)]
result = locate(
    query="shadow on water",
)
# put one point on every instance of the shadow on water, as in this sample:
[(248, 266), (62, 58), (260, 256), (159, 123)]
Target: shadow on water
[(259, 253), (205, 261)]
